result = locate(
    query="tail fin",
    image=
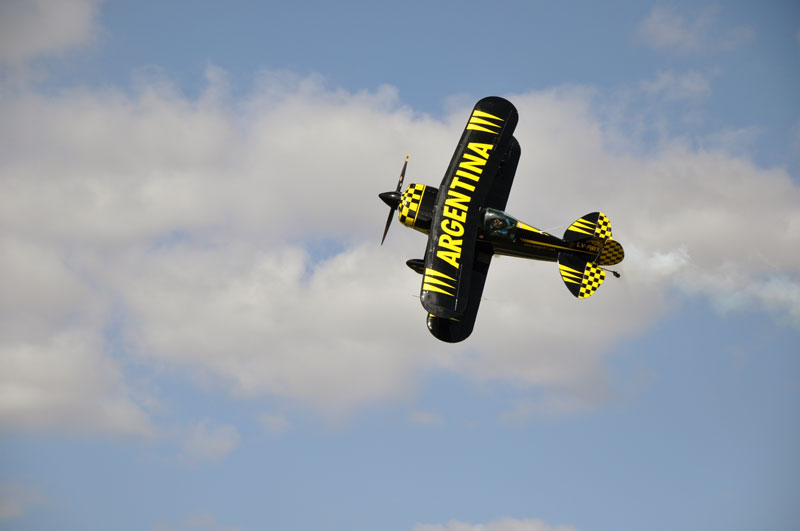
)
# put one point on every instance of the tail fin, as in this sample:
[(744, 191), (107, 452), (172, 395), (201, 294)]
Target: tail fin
[(581, 275), (595, 224), (612, 253), (597, 227)]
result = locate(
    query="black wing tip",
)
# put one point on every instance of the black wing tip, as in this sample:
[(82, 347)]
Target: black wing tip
[(449, 330)]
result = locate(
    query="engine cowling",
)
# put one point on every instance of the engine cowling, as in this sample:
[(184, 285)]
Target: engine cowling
[(416, 207)]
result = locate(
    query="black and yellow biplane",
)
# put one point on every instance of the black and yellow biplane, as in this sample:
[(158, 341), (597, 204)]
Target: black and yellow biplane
[(466, 226)]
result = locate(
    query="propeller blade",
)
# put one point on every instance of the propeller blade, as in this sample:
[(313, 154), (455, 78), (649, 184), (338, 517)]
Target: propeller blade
[(392, 199), (388, 222), (402, 175)]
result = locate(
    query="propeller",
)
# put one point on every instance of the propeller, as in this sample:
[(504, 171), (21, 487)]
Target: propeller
[(392, 199)]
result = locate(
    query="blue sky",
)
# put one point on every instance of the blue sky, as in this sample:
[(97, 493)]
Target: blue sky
[(199, 330)]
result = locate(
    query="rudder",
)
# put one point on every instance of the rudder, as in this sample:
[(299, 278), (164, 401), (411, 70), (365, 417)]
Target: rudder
[(597, 225)]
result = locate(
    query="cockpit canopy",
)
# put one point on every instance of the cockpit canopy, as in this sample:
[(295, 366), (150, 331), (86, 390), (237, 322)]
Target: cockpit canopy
[(497, 222)]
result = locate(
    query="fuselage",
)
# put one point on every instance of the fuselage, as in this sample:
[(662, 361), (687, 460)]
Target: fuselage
[(507, 235), (511, 237)]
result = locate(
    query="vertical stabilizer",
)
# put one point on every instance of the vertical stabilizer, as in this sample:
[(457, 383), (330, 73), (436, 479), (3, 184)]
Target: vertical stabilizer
[(595, 224)]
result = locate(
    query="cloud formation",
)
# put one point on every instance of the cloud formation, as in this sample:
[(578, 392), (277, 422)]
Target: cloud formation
[(690, 86), (33, 28), (667, 30), (54, 372), (239, 239)]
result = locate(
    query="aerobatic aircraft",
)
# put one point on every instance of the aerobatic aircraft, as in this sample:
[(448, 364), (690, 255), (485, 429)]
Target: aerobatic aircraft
[(466, 226)]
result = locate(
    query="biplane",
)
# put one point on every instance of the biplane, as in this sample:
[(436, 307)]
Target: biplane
[(466, 226)]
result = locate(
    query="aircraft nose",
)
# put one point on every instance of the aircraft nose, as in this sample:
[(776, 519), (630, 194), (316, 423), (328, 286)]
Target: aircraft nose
[(392, 199)]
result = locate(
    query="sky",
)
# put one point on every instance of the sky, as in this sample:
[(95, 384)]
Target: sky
[(199, 328)]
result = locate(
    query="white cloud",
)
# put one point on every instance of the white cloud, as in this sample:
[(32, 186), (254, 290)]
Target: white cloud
[(504, 524), (30, 28), (733, 141), (52, 369), (64, 382), (206, 441), (240, 239), (781, 295), (560, 403), (665, 29), (690, 86)]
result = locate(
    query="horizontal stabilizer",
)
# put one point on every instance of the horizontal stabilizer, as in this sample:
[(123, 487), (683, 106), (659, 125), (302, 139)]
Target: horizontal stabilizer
[(612, 253), (595, 224), (596, 227), (582, 277)]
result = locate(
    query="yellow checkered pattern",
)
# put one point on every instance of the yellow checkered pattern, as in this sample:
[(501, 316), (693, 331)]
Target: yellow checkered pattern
[(612, 253), (409, 204), (589, 226), (603, 228), (593, 276)]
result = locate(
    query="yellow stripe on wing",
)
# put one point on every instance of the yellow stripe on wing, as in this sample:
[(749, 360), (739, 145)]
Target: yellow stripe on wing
[(431, 287), (432, 281), (482, 114), (479, 119), (433, 272)]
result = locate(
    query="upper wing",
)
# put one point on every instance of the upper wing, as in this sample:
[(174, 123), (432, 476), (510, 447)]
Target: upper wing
[(467, 187)]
